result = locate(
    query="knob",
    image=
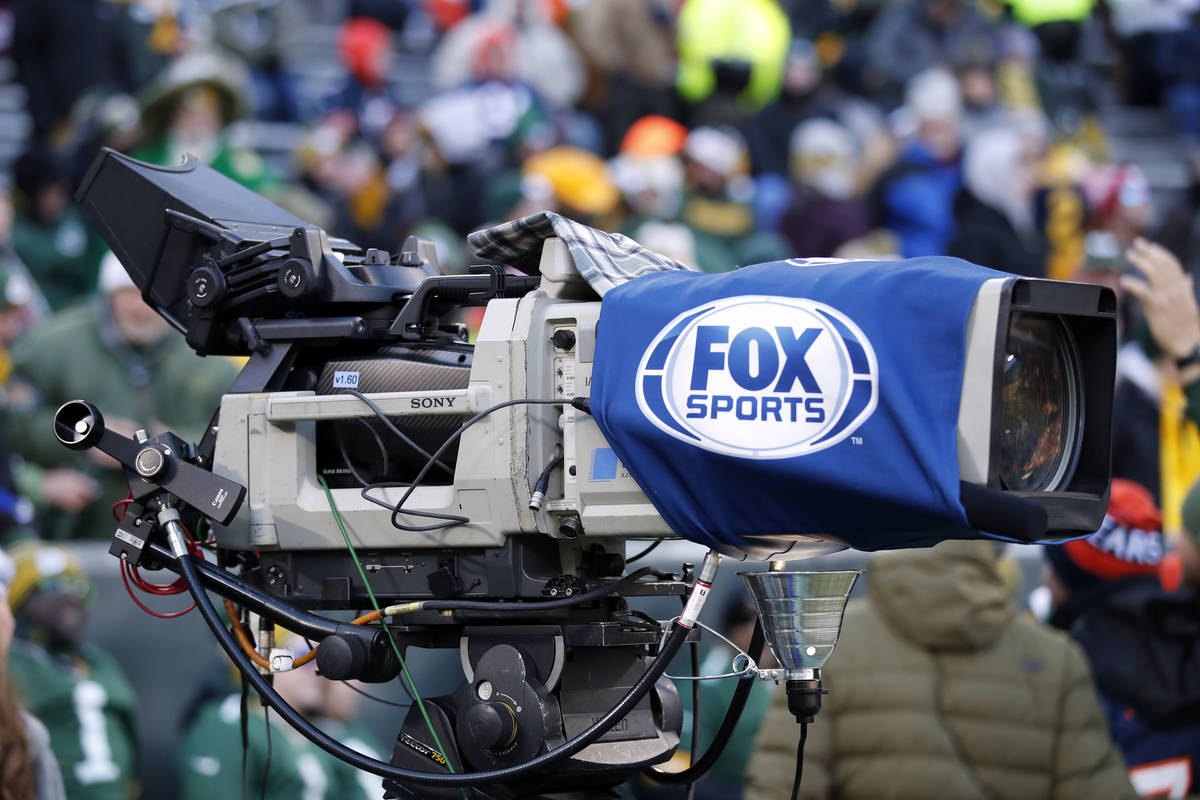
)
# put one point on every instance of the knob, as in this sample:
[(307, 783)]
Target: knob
[(205, 286), (297, 278), (563, 339), (493, 726), (149, 462)]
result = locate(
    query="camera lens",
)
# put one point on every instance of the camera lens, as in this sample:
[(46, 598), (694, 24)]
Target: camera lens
[(1040, 404)]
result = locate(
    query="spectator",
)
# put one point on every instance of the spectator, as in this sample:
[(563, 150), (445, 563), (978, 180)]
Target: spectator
[(186, 110), (911, 37), (1188, 545), (511, 42), (915, 197), (731, 56), (1141, 642), (823, 214), (1118, 197), (630, 46), (718, 203), (809, 93), (74, 688), (365, 103), (581, 184), (1146, 30), (933, 669), (278, 763), (1157, 406), (28, 769), (125, 359), (49, 233), (63, 48), (994, 210), (262, 35)]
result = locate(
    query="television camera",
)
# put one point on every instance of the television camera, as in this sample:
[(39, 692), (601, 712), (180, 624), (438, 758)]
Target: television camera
[(369, 456)]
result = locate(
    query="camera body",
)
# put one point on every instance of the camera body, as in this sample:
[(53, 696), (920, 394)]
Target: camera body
[(350, 411)]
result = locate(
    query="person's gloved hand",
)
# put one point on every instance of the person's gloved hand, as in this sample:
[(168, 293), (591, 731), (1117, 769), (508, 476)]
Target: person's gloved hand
[(1166, 295)]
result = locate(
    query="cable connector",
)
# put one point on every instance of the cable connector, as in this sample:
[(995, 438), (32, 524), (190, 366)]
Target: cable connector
[(700, 590), (536, 499), (583, 404)]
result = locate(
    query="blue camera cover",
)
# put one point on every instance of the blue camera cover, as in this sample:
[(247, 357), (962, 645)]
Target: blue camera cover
[(792, 398)]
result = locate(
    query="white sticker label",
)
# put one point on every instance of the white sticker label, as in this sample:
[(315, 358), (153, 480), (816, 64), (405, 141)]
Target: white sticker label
[(345, 380), (129, 538)]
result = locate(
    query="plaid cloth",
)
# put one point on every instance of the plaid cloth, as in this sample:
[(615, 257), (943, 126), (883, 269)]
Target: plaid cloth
[(603, 259)]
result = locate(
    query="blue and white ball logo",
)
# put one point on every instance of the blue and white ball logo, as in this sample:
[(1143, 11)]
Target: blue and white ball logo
[(759, 377)]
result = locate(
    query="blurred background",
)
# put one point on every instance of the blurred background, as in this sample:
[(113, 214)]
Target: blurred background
[(1039, 137)]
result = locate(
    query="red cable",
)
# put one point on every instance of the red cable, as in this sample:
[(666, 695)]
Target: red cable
[(130, 572), (141, 605)]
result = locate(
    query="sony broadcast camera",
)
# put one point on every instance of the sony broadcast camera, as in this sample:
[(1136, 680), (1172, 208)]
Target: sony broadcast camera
[(338, 472)]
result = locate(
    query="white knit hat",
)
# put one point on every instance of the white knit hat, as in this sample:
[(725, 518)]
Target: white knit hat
[(113, 275)]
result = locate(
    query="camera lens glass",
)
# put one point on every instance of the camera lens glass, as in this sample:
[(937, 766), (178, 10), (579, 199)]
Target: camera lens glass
[(1039, 409)]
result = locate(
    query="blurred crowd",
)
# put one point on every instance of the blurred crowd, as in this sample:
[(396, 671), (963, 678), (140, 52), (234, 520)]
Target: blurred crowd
[(718, 132)]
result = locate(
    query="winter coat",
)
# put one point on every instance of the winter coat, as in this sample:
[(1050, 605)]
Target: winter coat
[(1144, 645), (938, 689), (986, 237), (816, 226), (915, 199), (78, 354)]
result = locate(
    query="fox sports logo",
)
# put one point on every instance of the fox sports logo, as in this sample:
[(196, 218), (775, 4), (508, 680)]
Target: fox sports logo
[(759, 377)]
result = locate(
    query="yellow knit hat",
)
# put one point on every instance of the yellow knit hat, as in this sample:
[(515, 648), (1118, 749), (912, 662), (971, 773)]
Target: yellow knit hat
[(49, 566)]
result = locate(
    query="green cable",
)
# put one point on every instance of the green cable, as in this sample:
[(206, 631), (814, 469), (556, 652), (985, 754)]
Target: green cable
[(337, 516)]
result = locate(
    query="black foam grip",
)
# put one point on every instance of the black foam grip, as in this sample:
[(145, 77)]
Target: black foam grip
[(1003, 513)]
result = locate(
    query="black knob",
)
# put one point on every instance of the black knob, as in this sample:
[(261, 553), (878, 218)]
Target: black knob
[(206, 286), (297, 278), (150, 462), (491, 725), (563, 339), (341, 658)]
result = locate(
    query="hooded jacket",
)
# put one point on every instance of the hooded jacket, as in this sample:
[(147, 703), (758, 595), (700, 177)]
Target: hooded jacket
[(938, 688)]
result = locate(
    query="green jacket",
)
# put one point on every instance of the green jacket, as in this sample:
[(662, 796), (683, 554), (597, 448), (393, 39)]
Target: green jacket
[(288, 768), (938, 688), (87, 706), (63, 257), (78, 355)]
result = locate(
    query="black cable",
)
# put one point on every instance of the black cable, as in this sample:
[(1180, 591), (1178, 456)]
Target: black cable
[(383, 451), (341, 443), (696, 706), (391, 426), (732, 715), (537, 606), (544, 479), (266, 769), (257, 600), (450, 520), (244, 712), (370, 696), (645, 552), (799, 760), (645, 683)]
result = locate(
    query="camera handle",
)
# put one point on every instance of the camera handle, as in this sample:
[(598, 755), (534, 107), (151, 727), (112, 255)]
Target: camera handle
[(152, 464)]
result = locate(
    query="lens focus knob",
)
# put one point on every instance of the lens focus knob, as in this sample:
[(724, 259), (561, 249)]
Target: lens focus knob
[(297, 278), (493, 726), (205, 287)]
